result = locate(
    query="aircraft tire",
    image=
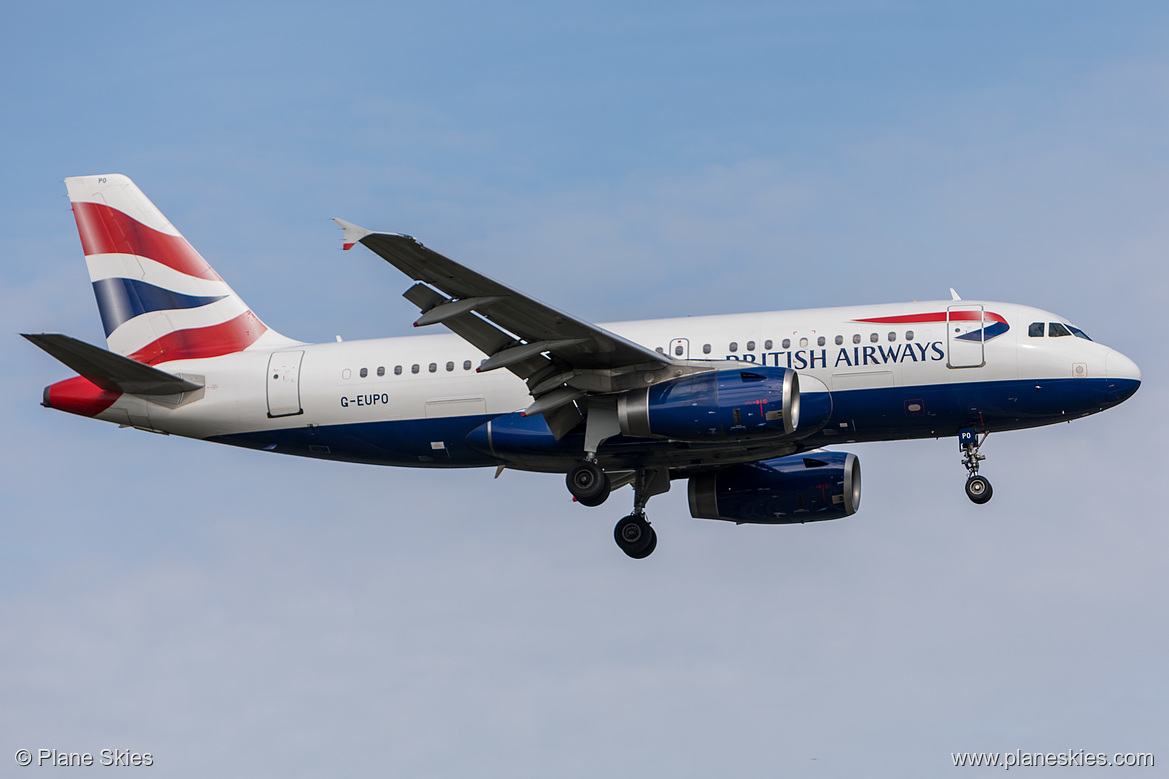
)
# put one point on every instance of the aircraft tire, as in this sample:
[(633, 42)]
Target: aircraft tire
[(591, 502), (588, 483), (635, 537), (650, 547), (978, 489)]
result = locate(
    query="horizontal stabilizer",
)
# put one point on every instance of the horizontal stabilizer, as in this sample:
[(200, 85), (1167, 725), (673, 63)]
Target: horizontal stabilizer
[(108, 370)]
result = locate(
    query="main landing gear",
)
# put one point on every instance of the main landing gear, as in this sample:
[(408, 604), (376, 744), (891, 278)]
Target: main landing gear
[(590, 485), (978, 487)]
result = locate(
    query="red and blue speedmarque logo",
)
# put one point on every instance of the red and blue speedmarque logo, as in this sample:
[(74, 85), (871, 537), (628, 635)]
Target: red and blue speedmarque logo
[(994, 324)]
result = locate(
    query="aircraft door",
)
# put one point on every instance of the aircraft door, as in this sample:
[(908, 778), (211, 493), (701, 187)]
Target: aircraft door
[(679, 349), (965, 336), (284, 384)]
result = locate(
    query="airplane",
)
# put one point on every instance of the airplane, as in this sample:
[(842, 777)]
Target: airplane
[(741, 406)]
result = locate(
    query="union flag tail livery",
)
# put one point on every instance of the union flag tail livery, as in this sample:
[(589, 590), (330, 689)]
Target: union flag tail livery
[(158, 298), (740, 406)]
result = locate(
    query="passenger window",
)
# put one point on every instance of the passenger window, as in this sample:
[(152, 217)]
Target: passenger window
[(433, 367), (363, 372), (734, 347), (678, 350), (1055, 330), (750, 346), (908, 335), (787, 343), (873, 338), (1035, 330), (820, 341), (397, 370), (803, 342), (856, 339), (466, 365), (450, 366), (414, 368), (706, 348), (345, 374), (839, 340), (768, 344), (381, 370), (660, 350), (892, 337)]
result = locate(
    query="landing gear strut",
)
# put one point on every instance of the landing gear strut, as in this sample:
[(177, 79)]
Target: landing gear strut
[(978, 487)]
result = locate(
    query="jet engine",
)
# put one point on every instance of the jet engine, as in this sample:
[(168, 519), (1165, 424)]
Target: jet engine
[(755, 402), (798, 488)]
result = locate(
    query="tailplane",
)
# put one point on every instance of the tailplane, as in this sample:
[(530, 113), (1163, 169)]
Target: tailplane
[(159, 299)]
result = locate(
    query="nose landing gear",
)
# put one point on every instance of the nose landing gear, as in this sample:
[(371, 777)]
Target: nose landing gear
[(978, 487)]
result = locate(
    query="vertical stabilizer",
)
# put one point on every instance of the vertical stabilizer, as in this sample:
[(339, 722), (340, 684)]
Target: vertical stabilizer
[(159, 299)]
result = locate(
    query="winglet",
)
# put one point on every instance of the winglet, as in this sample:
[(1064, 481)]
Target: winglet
[(954, 295), (353, 233)]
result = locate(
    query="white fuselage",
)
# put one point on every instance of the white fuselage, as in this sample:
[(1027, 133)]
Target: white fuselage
[(433, 377)]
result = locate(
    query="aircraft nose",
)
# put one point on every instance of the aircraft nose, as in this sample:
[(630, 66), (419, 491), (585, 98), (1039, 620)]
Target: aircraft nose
[(1117, 366), (1124, 377)]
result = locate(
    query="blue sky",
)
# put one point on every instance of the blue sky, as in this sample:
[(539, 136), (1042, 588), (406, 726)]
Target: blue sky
[(236, 613)]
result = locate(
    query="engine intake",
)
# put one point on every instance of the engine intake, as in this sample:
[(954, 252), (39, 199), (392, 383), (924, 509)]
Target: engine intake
[(799, 488), (756, 402)]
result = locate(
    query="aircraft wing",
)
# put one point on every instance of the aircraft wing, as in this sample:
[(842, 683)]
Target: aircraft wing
[(562, 357)]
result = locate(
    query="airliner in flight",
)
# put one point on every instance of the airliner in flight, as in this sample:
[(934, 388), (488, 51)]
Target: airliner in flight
[(740, 406)]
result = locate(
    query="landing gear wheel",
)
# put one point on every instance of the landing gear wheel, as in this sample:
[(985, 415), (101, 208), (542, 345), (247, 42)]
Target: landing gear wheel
[(635, 537), (644, 553), (588, 483), (590, 502), (978, 489)]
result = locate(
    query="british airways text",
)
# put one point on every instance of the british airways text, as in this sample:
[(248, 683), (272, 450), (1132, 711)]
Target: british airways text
[(854, 356)]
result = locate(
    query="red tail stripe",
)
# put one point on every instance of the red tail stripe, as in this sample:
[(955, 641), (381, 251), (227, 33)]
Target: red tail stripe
[(954, 316), (106, 230), (79, 396), (232, 336)]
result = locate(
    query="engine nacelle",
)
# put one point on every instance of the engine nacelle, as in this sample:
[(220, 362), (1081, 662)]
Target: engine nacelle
[(755, 402), (799, 488)]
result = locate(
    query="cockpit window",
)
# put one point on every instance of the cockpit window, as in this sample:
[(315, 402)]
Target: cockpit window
[(1078, 333), (1056, 329), (1035, 330)]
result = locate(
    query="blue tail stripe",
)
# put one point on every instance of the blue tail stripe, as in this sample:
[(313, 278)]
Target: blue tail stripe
[(120, 300)]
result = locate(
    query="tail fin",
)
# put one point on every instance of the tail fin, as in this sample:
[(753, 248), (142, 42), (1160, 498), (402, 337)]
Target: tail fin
[(159, 299)]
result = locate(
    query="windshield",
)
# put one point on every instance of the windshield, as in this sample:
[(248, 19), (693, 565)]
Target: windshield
[(1078, 333)]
